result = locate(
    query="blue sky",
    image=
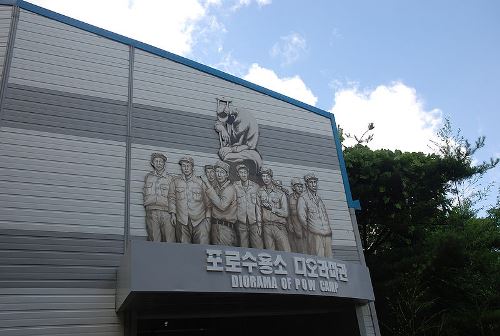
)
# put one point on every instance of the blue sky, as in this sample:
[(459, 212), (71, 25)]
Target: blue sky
[(404, 65)]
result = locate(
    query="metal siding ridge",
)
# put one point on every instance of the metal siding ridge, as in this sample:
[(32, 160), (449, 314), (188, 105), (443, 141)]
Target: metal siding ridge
[(8, 58), (128, 147)]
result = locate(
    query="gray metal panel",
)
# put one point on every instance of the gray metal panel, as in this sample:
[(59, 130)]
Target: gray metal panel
[(29, 107), (53, 55), (5, 18), (31, 176), (162, 82), (58, 283), (189, 131), (58, 311), (68, 260), (347, 253), (58, 130), (73, 114), (53, 187)]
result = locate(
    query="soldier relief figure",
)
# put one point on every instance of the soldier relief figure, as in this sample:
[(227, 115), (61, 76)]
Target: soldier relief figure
[(188, 206), (224, 208), (156, 184), (237, 201), (314, 219), (249, 230)]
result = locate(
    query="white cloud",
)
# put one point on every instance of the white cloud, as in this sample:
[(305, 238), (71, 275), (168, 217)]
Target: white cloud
[(229, 64), (245, 3), (291, 86), (263, 3), (169, 25), (400, 117), (290, 48)]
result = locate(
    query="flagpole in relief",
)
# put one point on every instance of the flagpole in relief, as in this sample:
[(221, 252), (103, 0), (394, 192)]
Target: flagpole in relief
[(217, 112), (226, 108)]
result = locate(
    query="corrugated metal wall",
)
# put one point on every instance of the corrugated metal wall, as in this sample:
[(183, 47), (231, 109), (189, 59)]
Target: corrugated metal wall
[(63, 136), (5, 20), (62, 176)]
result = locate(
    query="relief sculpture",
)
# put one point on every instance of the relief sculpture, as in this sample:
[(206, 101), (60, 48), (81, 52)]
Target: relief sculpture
[(237, 201), (296, 232), (249, 230), (314, 219), (188, 205), (156, 184), (272, 212), (238, 135), (223, 204)]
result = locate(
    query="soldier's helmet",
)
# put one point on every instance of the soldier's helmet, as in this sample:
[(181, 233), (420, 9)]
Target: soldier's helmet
[(242, 166), (310, 176), (158, 155), (222, 165), (295, 180), (186, 159), (266, 170)]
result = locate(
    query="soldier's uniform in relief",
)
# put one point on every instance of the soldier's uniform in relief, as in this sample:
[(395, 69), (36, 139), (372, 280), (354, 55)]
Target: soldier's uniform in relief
[(188, 201), (274, 220), (295, 231), (247, 214), (155, 193), (314, 218), (224, 213)]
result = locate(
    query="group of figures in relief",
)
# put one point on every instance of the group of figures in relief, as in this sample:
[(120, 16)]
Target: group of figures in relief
[(224, 206)]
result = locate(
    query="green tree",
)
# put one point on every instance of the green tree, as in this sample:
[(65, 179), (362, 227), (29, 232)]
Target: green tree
[(466, 191), (462, 264), (434, 264)]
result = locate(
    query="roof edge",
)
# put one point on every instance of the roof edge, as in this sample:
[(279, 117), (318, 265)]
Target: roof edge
[(355, 204), (162, 53), (198, 66)]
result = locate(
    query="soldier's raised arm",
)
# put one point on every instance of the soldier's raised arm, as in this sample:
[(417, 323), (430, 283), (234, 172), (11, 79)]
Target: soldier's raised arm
[(223, 201), (282, 211)]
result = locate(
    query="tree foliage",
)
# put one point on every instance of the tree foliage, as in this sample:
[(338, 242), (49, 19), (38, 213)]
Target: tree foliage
[(435, 265)]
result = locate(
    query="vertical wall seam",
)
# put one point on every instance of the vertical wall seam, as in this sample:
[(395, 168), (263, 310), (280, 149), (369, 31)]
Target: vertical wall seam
[(361, 321), (9, 53), (128, 147), (357, 237), (373, 314), (343, 170)]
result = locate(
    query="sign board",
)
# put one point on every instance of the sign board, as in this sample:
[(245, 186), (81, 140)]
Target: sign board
[(191, 268)]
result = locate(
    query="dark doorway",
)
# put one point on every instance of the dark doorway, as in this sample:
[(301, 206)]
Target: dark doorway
[(339, 323)]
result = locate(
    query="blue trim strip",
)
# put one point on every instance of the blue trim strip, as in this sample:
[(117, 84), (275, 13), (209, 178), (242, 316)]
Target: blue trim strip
[(198, 66), (347, 187)]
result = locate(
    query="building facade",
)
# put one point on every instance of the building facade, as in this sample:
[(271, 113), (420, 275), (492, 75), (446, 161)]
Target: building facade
[(85, 211)]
